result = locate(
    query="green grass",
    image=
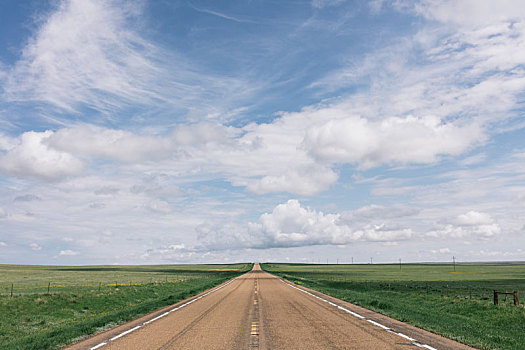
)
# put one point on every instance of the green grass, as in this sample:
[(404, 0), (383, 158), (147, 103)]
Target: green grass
[(429, 296), (83, 300)]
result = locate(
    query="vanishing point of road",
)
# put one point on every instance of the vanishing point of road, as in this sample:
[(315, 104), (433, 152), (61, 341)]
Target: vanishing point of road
[(261, 311)]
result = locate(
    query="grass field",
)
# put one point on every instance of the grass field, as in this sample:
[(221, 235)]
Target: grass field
[(458, 305), (86, 299)]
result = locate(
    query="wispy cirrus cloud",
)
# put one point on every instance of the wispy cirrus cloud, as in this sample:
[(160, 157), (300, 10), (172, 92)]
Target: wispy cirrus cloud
[(84, 54), (92, 55)]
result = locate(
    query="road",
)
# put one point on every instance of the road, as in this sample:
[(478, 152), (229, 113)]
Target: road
[(260, 311)]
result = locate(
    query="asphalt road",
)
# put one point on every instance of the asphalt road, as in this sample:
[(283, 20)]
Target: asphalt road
[(260, 311)]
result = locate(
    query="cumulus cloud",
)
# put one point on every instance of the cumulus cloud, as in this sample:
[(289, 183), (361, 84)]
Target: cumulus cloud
[(119, 145), (32, 157), (305, 182), (68, 252), (292, 225), (472, 224), (407, 140), (127, 147), (472, 218), (35, 246), (203, 133)]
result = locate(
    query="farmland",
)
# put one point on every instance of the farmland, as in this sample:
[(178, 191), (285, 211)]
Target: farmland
[(86, 299), (457, 304)]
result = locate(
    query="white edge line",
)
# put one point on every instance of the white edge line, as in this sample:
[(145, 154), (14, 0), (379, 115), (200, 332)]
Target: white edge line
[(427, 347), (378, 324), (416, 343), (158, 317), (124, 333), (98, 346), (405, 336)]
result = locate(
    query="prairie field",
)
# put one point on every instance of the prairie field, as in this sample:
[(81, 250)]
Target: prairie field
[(457, 304), (85, 299)]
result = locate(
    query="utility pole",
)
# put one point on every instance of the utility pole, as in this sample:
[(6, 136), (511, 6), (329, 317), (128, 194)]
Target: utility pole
[(352, 260), (337, 261), (371, 261), (399, 263), (454, 262)]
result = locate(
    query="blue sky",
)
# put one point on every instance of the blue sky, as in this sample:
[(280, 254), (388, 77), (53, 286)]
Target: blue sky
[(139, 132)]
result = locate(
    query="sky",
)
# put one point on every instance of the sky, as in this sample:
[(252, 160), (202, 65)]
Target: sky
[(155, 132)]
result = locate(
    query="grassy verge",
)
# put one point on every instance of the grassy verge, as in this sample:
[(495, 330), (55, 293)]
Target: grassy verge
[(84, 300), (458, 305)]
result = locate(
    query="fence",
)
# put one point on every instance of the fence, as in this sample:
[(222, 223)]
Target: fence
[(11, 290), (514, 293)]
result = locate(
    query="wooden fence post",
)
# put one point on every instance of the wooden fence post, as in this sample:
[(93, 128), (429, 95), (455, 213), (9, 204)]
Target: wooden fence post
[(99, 283), (516, 301), (48, 286), (495, 297), (12, 290)]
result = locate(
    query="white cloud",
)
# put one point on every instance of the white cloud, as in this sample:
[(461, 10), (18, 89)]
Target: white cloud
[(85, 48), (177, 246), (203, 133), (470, 225), (295, 153), (463, 73), (440, 251), (292, 225), (3, 244), (127, 147), (304, 182), (473, 218), (68, 252), (474, 159), (470, 12), (35, 246), (6, 142), (119, 145), (406, 140), (32, 157), (159, 206), (3, 214), (374, 212), (90, 53)]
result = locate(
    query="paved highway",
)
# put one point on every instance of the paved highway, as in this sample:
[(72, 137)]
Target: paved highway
[(260, 311)]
